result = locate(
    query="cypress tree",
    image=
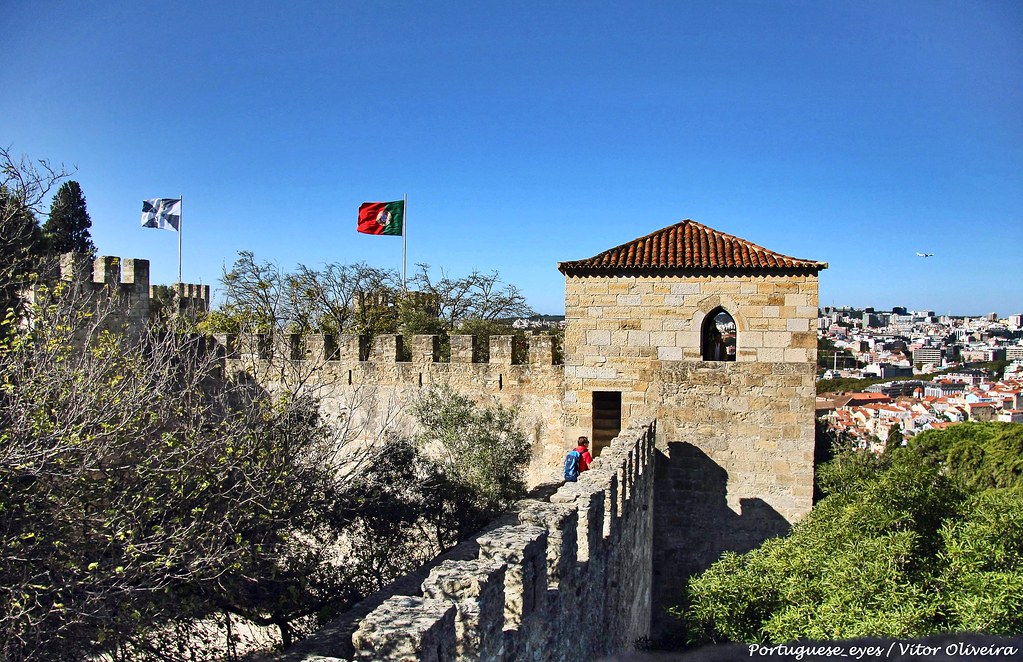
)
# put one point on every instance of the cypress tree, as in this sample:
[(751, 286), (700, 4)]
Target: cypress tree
[(67, 229)]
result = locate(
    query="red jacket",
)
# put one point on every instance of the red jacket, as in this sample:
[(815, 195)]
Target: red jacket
[(584, 461)]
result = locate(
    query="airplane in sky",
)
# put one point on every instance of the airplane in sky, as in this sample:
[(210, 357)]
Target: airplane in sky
[(925, 254)]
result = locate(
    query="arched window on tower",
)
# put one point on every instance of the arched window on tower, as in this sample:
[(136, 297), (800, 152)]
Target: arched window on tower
[(719, 332)]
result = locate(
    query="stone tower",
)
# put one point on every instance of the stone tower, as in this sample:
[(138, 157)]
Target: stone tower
[(714, 337)]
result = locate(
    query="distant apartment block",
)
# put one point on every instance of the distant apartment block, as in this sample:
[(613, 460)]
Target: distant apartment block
[(983, 354), (943, 389), (927, 355)]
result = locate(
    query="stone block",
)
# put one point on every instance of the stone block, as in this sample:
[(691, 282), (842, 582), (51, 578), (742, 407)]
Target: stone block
[(387, 347), (638, 339), (465, 349), (254, 345), (804, 340), (685, 288), (477, 590), (501, 350), (523, 550), (670, 354), (106, 270), (229, 343), (425, 349), (321, 347), (136, 272), (796, 355), (750, 339), (352, 347), (76, 267), (561, 522), (794, 300), (541, 350), (407, 629), (777, 338)]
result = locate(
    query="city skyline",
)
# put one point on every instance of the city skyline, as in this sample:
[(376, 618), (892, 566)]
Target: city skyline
[(858, 135)]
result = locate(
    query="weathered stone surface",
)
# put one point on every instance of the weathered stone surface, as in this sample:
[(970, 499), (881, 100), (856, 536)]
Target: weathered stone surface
[(407, 629), (477, 590)]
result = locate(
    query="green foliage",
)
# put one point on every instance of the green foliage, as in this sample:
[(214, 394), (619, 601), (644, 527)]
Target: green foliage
[(925, 539), (67, 228), (420, 496), (976, 455), (828, 355), (24, 185), (983, 563), (140, 495), (480, 448), (847, 384), (895, 438)]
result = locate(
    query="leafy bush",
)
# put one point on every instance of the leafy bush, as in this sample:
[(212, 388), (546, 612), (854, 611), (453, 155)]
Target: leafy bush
[(924, 540)]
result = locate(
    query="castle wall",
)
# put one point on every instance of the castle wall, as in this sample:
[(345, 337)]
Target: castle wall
[(124, 284), (735, 439), (591, 571), (565, 580), (369, 381)]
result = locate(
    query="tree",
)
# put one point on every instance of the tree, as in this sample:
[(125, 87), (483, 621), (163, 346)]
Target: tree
[(67, 228), (480, 449), (347, 298), (464, 467), (922, 540), (260, 297), (24, 185), (476, 296), (895, 438), (148, 502), (360, 299), (143, 496)]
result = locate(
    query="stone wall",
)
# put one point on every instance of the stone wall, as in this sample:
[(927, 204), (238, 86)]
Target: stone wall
[(568, 579), (371, 381), (124, 283)]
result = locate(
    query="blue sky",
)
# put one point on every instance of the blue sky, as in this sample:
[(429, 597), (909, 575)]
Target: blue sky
[(529, 133)]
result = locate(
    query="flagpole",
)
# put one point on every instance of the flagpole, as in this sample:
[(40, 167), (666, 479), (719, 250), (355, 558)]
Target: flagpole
[(181, 226), (404, 238)]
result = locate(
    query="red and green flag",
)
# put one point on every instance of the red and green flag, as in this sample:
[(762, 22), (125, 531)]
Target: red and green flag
[(382, 217)]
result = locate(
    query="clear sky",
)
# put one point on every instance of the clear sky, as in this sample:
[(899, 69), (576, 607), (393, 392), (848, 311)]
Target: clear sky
[(528, 133)]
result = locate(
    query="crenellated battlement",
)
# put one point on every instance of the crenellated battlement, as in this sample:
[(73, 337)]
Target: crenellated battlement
[(123, 274), (183, 298), (127, 281), (522, 589), (393, 348)]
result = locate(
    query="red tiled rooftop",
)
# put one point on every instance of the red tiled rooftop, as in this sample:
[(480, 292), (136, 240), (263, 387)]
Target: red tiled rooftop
[(691, 246)]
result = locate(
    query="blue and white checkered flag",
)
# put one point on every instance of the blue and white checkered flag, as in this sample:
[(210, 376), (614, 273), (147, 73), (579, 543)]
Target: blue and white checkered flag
[(162, 213)]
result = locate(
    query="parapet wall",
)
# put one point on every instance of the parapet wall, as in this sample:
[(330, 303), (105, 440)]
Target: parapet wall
[(376, 379), (568, 579), (126, 282)]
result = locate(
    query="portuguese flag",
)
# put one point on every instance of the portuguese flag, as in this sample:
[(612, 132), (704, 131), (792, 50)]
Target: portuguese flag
[(382, 217)]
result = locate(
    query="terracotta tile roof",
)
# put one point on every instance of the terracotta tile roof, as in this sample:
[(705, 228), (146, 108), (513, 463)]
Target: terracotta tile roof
[(691, 246)]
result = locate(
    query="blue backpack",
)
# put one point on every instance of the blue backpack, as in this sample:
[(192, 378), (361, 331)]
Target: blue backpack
[(572, 465)]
